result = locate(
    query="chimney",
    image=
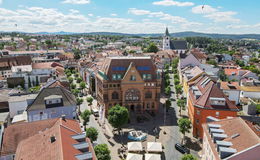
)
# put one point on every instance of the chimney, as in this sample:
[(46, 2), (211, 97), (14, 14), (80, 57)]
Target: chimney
[(53, 139), (63, 117)]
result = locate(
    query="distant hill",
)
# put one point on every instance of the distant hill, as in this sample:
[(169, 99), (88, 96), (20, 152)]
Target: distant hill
[(177, 34)]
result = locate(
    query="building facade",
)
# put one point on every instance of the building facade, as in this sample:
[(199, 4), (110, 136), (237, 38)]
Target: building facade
[(206, 99), (132, 82)]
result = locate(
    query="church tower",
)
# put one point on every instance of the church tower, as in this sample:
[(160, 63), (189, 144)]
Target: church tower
[(166, 40)]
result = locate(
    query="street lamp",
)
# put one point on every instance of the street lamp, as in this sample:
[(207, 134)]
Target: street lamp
[(163, 101)]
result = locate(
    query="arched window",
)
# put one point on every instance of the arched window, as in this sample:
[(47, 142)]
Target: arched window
[(132, 95), (115, 95), (148, 94)]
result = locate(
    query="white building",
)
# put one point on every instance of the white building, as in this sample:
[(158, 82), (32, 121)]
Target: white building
[(231, 90)]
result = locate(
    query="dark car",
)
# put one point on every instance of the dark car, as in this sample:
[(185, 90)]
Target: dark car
[(182, 149)]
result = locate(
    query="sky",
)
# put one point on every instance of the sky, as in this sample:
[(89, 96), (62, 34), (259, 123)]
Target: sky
[(131, 16)]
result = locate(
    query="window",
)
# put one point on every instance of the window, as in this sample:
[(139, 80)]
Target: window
[(148, 94), (148, 105), (197, 121), (132, 95), (115, 95), (217, 114), (41, 113), (114, 76), (152, 84), (144, 76), (132, 78), (198, 112), (119, 76), (20, 112)]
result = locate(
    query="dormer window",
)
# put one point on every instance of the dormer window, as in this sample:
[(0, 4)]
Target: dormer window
[(53, 101), (132, 78), (217, 101)]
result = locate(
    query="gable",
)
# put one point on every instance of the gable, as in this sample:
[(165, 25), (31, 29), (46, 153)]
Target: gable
[(132, 71)]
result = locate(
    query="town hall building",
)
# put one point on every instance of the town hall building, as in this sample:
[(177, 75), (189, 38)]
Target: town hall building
[(132, 82)]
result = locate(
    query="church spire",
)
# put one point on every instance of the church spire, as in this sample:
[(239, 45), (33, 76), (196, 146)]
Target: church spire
[(167, 32)]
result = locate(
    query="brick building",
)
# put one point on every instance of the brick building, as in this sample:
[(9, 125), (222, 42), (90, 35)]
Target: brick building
[(133, 82)]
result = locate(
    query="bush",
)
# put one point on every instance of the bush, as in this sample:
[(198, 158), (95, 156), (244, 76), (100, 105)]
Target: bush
[(90, 100), (72, 86)]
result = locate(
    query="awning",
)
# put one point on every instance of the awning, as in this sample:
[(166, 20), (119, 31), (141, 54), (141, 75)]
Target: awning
[(152, 157), (154, 147), (134, 146), (132, 156)]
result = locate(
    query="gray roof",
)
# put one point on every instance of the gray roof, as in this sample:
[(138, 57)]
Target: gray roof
[(178, 44), (39, 103)]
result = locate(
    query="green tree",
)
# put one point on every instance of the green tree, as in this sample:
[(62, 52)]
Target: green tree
[(75, 92), (178, 89), (181, 103), (176, 81), (85, 116), (166, 67), (79, 101), (118, 116), (168, 104), (102, 152), (90, 100), (34, 89), (168, 90), (72, 86), (82, 85), (152, 48), (79, 79), (258, 108), (70, 79), (188, 157), (184, 126), (92, 133)]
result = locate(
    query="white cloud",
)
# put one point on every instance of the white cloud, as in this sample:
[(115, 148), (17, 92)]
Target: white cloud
[(246, 26), (138, 11), (90, 15), (113, 14), (214, 14), (172, 3), (164, 16), (76, 1), (1, 1)]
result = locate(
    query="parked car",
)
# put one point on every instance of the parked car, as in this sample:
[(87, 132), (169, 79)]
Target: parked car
[(182, 148), (95, 112)]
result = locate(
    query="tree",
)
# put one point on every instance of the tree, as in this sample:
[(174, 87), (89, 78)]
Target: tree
[(92, 133), (79, 79), (181, 103), (168, 90), (152, 48), (70, 79), (168, 104), (85, 116), (184, 126), (166, 67), (75, 92), (118, 116), (188, 157), (258, 108), (72, 86), (176, 81), (102, 152), (178, 89), (34, 89), (82, 85), (79, 101), (90, 100)]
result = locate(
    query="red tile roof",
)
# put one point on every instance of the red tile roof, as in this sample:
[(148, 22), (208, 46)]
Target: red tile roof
[(15, 133), (210, 89), (46, 65), (229, 85), (231, 126), (40, 147)]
